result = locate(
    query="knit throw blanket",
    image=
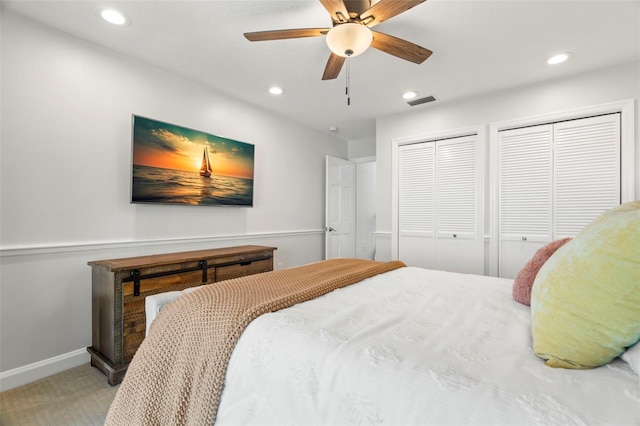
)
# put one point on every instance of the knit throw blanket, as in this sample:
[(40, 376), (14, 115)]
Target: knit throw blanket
[(177, 375)]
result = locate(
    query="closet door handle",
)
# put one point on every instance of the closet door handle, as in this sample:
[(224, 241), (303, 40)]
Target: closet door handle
[(455, 235), (524, 238)]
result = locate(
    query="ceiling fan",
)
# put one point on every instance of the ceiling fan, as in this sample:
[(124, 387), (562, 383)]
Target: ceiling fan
[(351, 33)]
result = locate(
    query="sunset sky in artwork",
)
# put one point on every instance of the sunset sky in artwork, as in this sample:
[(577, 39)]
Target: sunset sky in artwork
[(168, 146)]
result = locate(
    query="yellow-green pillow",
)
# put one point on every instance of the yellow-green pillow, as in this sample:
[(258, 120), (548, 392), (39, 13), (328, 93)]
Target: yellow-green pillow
[(585, 301)]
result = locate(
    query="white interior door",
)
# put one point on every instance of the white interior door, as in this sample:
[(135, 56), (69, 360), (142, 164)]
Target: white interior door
[(416, 205), (439, 206), (525, 194), (458, 205), (554, 179), (340, 211), (365, 209), (586, 170)]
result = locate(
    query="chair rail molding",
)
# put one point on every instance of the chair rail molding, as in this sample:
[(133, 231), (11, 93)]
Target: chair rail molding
[(106, 245)]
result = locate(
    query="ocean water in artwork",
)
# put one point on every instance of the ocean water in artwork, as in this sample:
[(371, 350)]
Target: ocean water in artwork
[(157, 185)]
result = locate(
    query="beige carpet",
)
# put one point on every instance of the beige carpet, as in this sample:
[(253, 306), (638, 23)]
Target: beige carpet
[(79, 396)]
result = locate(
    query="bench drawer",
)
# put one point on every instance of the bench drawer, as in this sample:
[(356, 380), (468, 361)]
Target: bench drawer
[(242, 269)]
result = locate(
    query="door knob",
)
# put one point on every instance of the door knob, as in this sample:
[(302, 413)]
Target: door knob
[(330, 229)]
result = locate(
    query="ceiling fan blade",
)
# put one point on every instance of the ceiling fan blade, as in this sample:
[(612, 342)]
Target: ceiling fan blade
[(401, 48), (283, 34), (336, 9), (386, 9), (334, 65)]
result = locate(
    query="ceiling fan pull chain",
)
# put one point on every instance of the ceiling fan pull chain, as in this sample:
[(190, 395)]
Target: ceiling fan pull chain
[(348, 82)]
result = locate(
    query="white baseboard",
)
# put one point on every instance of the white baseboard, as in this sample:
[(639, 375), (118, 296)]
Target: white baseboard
[(28, 373)]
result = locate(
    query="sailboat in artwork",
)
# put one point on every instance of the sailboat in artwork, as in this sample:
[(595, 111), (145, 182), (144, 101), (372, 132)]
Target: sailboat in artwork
[(205, 170)]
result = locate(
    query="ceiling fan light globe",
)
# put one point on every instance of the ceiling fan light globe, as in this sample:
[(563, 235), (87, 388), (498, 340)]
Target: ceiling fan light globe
[(349, 39)]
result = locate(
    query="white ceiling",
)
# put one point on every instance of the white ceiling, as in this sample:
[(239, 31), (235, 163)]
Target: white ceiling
[(479, 46)]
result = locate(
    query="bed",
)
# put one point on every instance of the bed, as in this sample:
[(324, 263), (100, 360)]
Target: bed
[(413, 346), (391, 345)]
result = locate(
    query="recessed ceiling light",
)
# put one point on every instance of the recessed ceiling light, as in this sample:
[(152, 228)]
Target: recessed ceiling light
[(275, 90), (409, 95), (559, 58), (114, 17)]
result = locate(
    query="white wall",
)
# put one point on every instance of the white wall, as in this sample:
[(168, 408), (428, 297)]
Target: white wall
[(609, 84), (362, 148), (65, 175)]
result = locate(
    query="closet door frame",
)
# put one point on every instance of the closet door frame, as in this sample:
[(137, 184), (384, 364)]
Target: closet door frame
[(480, 135), (626, 108)]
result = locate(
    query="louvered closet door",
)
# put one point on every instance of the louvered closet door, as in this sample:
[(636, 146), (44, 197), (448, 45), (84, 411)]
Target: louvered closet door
[(416, 205), (525, 159), (587, 171), (456, 206)]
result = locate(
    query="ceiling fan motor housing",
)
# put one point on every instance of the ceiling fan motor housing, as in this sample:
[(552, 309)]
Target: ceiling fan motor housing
[(356, 7)]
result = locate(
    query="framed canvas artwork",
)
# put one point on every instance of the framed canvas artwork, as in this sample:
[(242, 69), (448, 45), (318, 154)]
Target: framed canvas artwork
[(176, 165)]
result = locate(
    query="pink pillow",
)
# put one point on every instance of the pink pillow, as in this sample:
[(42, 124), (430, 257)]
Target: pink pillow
[(524, 281)]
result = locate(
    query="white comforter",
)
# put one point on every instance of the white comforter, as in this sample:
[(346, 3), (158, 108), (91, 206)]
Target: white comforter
[(414, 347)]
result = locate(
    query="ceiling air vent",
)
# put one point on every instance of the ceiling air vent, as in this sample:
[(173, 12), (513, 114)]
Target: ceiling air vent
[(421, 101)]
